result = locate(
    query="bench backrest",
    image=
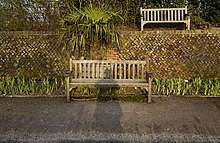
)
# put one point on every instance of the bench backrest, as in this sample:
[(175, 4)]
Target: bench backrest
[(109, 69), (164, 14)]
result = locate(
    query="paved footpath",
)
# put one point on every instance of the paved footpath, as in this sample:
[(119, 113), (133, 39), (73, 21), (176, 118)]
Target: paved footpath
[(52, 120)]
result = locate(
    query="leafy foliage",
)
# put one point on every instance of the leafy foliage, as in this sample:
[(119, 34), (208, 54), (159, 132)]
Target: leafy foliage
[(45, 14), (20, 85), (198, 23), (28, 15), (197, 86), (91, 25), (163, 3), (211, 11)]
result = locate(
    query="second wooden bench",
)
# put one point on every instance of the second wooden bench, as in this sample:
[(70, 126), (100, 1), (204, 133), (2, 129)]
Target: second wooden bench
[(165, 15)]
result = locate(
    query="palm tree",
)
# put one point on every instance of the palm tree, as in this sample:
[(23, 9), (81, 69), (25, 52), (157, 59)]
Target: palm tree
[(87, 27)]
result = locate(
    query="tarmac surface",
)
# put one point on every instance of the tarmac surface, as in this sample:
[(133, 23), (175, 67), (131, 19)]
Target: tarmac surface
[(171, 119)]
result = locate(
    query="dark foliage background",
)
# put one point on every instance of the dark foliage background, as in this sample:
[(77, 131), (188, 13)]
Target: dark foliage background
[(46, 14)]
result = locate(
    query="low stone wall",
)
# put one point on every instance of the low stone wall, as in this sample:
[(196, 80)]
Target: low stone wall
[(185, 54), (32, 54)]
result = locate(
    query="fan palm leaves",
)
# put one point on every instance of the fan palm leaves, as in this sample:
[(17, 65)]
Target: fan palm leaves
[(92, 24)]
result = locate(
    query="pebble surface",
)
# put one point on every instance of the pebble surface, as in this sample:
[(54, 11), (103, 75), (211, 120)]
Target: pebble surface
[(172, 119)]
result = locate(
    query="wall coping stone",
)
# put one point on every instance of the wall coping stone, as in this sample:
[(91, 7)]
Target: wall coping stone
[(189, 32), (199, 31), (28, 33)]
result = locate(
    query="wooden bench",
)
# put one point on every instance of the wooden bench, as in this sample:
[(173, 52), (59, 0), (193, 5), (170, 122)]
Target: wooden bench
[(165, 15), (109, 73)]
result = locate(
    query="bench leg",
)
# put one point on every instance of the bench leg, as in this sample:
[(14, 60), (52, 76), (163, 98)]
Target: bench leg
[(68, 96), (188, 23), (149, 90), (68, 89), (142, 26)]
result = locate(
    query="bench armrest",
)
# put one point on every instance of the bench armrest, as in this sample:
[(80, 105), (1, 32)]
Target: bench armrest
[(68, 74), (186, 15)]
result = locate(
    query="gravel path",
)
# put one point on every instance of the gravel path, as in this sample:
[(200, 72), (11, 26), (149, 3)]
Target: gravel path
[(173, 119)]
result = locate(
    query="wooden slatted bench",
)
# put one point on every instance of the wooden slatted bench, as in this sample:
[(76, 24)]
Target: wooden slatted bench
[(108, 73), (165, 15)]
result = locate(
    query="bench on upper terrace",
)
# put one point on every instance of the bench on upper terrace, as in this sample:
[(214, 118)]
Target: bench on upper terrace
[(108, 73), (165, 15)]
